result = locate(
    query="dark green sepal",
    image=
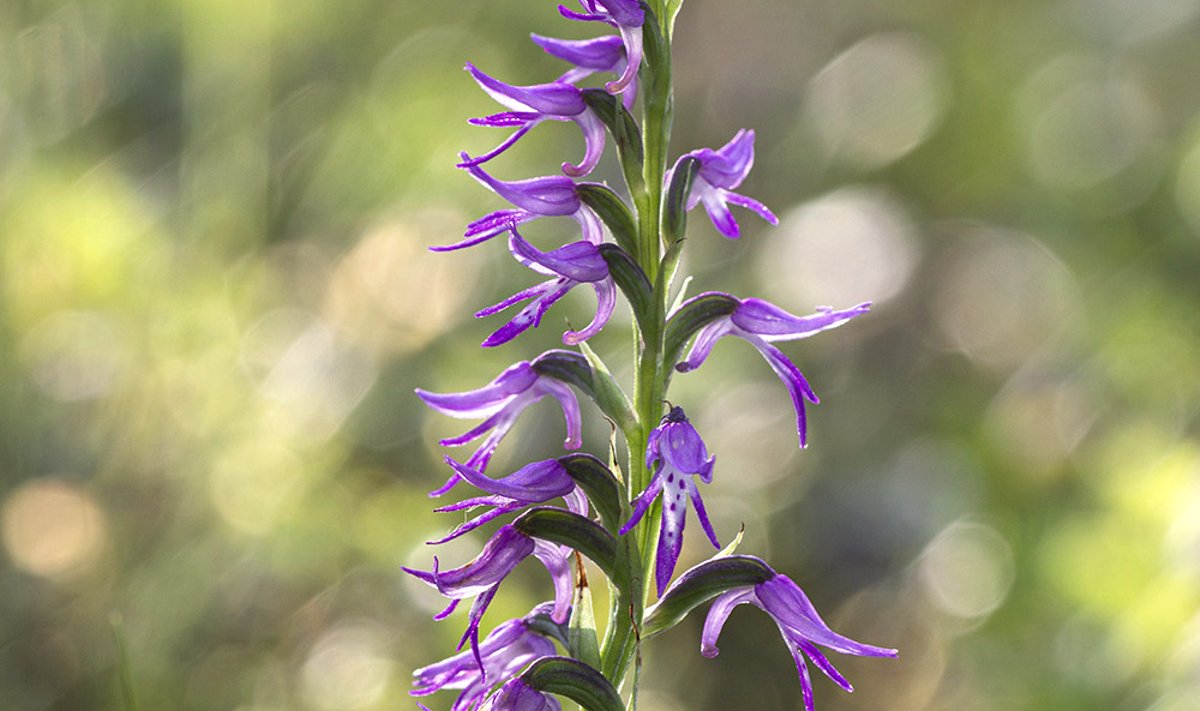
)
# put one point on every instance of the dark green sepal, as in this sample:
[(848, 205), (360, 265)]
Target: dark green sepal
[(675, 215), (598, 483), (613, 211), (570, 529), (567, 366), (631, 280), (701, 584), (575, 680), (624, 130), (697, 313)]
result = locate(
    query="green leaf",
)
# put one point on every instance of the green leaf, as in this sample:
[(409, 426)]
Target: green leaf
[(675, 217), (608, 394), (600, 485), (673, 8), (733, 545), (124, 668), (613, 211), (632, 281), (681, 296), (581, 634), (570, 529), (701, 584), (697, 314), (624, 130), (576, 681), (571, 368)]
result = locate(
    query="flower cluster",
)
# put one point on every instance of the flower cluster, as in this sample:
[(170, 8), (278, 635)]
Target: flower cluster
[(624, 518)]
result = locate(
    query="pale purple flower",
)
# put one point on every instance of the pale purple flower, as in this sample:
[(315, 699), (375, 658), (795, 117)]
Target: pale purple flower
[(480, 578), (516, 695), (625, 15), (549, 196), (502, 654), (576, 263), (500, 403), (535, 483), (799, 624), (761, 323), (530, 105), (602, 54), (719, 172), (674, 454)]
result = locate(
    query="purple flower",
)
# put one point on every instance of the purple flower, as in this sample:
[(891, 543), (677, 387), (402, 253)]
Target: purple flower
[(576, 263), (719, 173), (531, 105), (550, 196), (500, 403), (503, 653), (761, 323), (516, 695), (481, 577), (602, 54), (802, 629), (625, 15), (535, 483), (674, 453)]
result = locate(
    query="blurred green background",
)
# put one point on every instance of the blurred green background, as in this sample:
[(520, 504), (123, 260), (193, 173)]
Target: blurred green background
[(215, 302)]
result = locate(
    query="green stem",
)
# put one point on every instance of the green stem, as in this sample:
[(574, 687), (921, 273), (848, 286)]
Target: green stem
[(626, 616)]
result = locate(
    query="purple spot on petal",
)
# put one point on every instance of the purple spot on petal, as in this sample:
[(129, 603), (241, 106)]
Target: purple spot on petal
[(672, 506)]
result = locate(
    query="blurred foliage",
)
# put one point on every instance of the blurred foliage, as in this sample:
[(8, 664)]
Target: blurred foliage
[(215, 303)]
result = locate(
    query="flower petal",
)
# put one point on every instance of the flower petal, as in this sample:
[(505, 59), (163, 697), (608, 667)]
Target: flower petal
[(762, 318), (706, 338), (718, 613), (594, 136), (483, 401), (606, 303), (554, 99), (533, 483)]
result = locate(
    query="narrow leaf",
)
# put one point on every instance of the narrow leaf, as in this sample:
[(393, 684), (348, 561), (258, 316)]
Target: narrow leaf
[(733, 545), (701, 584), (576, 681), (613, 211), (570, 529), (581, 635), (600, 485), (571, 368), (694, 315), (631, 280), (675, 217), (624, 130), (124, 668)]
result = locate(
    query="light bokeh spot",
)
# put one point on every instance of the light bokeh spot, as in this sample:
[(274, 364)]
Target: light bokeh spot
[(879, 99), (852, 245), (53, 529), (348, 668), (968, 570), (1001, 296), (1085, 125)]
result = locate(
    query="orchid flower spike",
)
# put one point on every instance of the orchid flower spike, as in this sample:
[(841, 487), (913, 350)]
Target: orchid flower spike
[(480, 578), (500, 403), (799, 624), (719, 172), (602, 54), (674, 454), (625, 15), (550, 196), (761, 323), (532, 484), (576, 263), (507, 650), (531, 105)]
